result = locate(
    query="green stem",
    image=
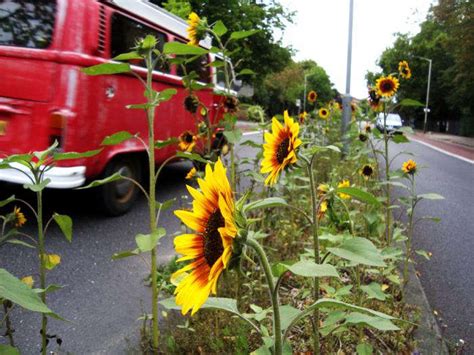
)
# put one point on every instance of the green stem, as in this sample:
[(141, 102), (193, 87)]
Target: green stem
[(410, 231), (152, 202), (273, 293), (8, 324), (388, 219), (314, 204), (41, 251)]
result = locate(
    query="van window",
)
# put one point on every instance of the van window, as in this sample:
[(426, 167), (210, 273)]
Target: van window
[(27, 23), (200, 66), (125, 34)]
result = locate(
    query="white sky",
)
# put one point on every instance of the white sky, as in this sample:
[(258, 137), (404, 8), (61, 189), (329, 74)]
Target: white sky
[(320, 33)]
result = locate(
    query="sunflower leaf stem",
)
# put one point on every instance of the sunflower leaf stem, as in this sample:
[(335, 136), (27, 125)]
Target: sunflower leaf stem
[(410, 229), (315, 226), (152, 198), (277, 334), (388, 220)]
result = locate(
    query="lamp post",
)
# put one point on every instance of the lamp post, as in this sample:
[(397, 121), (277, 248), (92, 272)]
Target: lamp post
[(427, 93), (346, 99)]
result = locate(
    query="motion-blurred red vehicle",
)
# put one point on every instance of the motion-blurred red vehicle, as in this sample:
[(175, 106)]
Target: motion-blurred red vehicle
[(44, 96)]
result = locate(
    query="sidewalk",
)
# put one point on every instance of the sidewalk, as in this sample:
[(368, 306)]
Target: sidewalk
[(462, 146)]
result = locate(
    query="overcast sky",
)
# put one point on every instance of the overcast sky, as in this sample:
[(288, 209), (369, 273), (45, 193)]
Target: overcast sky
[(320, 32)]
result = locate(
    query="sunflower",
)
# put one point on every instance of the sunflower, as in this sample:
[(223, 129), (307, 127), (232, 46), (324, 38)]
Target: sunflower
[(367, 171), (279, 149), (323, 113), (231, 104), (187, 141), (191, 173), (323, 189), (344, 183), (302, 116), (191, 103), (323, 207), (363, 137), (387, 86), (312, 96), (210, 246), (196, 30), (19, 218), (409, 167), (404, 69)]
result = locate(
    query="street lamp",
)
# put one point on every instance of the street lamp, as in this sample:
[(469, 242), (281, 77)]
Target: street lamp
[(426, 109), (346, 99)]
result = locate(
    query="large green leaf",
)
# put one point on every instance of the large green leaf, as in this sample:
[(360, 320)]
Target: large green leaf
[(37, 187), (162, 144), (128, 56), (117, 138), (233, 136), (400, 138), (16, 291), (430, 196), (360, 251), (374, 322), (242, 34), (8, 350), (411, 102), (166, 94), (359, 194), (179, 48), (265, 203), (147, 242), (374, 290), (364, 349), (65, 224), (192, 156), (75, 155), (219, 28), (287, 314), (107, 69), (309, 268), (114, 177), (7, 201)]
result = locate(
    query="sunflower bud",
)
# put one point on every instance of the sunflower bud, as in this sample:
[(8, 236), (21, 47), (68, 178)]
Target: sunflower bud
[(191, 103)]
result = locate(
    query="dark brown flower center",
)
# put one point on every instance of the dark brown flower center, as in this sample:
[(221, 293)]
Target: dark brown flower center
[(282, 151), (188, 138), (213, 247), (367, 171), (387, 85)]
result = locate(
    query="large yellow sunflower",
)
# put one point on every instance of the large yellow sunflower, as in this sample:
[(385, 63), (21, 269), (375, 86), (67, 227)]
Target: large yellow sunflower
[(387, 86), (210, 246), (195, 32), (404, 69), (279, 149), (323, 113), (187, 141)]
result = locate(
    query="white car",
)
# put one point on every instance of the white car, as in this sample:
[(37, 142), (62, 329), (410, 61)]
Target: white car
[(393, 122)]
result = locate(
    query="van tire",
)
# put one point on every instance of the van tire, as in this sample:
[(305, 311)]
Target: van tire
[(116, 198)]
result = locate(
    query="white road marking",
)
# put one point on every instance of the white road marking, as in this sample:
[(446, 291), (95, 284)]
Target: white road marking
[(443, 151)]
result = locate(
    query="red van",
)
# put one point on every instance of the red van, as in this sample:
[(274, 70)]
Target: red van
[(45, 97)]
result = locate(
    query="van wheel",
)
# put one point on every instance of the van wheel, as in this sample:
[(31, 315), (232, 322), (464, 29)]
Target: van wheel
[(117, 197)]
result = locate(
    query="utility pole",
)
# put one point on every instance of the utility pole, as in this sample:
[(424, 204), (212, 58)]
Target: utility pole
[(346, 99), (427, 94)]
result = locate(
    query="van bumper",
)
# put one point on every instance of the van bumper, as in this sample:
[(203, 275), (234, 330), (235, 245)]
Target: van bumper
[(61, 177)]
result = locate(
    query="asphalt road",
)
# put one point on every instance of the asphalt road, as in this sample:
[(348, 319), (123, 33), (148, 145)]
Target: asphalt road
[(448, 278), (101, 298)]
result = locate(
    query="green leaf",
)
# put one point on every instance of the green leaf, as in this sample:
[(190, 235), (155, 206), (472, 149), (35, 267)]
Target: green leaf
[(359, 194), (20, 242), (37, 187), (279, 269), (107, 69), (246, 72), (145, 106), (7, 201), (309, 268), (16, 291), (179, 48), (166, 205), (49, 289), (219, 28), (8, 350), (287, 314), (114, 177), (265, 203), (117, 138), (374, 322), (74, 155), (400, 138), (162, 144), (128, 56), (125, 254), (263, 350), (374, 290), (234, 136), (217, 64), (423, 253), (364, 349), (166, 94), (192, 156), (411, 102), (430, 196), (242, 34), (65, 224), (147, 242), (360, 251)]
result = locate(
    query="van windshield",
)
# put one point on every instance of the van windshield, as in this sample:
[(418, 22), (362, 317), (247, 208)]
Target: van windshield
[(27, 23)]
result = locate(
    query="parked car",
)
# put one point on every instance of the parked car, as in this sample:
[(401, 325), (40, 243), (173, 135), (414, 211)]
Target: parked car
[(393, 122), (44, 96)]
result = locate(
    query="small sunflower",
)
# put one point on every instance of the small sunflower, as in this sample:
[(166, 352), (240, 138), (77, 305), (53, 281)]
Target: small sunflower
[(323, 189), (302, 116), (367, 171), (191, 173), (19, 217), (409, 167), (344, 183), (323, 113), (28, 281), (312, 96), (196, 29), (210, 247), (404, 69), (323, 207), (280, 147), (187, 141), (387, 86)]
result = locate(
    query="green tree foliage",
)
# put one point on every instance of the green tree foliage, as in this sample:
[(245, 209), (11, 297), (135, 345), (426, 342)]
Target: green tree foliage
[(280, 90), (446, 37)]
